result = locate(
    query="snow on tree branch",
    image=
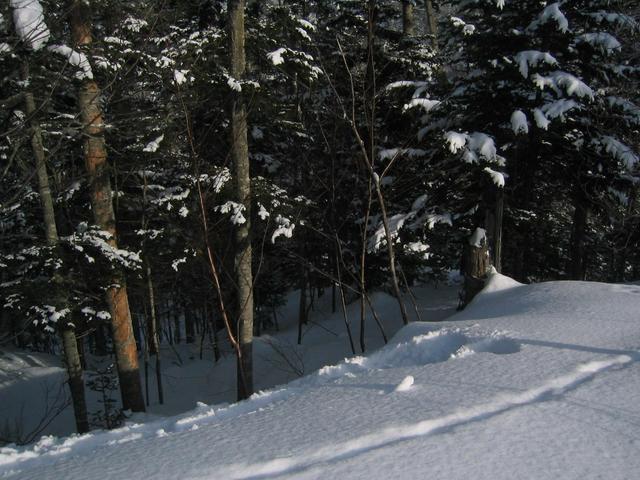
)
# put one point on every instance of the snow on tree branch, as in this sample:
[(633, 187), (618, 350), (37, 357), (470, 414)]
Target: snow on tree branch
[(28, 18), (77, 59)]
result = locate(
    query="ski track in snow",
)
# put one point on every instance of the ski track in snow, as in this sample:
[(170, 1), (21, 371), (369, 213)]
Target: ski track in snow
[(549, 390)]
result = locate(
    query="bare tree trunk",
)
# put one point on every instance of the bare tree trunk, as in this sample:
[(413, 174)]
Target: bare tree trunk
[(240, 159), (408, 20), (66, 329), (102, 206), (431, 21)]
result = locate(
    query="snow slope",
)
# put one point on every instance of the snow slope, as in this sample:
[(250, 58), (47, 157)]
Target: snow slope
[(530, 381), (37, 380), (25, 376)]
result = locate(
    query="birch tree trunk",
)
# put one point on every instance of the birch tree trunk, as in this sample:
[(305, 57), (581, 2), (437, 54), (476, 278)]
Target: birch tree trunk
[(66, 329), (240, 159), (102, 206)]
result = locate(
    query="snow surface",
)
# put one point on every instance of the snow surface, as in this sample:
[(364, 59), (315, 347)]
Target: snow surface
[(530, 381)]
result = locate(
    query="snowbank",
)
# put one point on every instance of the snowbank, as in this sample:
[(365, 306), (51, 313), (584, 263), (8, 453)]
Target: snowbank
[(530, 381)]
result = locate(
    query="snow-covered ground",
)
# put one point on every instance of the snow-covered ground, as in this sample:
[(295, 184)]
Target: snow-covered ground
[(535, 381)]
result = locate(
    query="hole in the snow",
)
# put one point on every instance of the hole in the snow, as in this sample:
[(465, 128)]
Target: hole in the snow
[(499, 346)]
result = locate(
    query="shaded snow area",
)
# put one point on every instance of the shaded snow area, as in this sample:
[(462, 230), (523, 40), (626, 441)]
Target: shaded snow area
[(530, 381)]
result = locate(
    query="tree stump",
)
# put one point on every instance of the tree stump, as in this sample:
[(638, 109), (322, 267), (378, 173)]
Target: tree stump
[(474, 266)]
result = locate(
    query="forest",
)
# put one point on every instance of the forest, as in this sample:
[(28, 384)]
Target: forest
[(171, 170)]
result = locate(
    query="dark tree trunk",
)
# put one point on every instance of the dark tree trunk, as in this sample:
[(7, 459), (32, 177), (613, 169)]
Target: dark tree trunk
[(152, 330), (177, 334), (493, 224), (497, 230), (577, 266), (302, 307), (188, 324)]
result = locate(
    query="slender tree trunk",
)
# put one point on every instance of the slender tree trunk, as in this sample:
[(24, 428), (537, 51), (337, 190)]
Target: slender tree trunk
[(343, 305), (146, 355), (153, 332), (363, 259), (408, 20), (240, 159), (102, 206), (188, 324), (214, 331), (66, 329), (170, 335), (302, 307), (176, 323), (369, 151)]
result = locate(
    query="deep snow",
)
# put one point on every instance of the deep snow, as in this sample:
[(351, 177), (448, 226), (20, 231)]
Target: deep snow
[(530, 381)]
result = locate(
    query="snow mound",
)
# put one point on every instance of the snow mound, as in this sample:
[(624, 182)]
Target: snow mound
[(498, 282)]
